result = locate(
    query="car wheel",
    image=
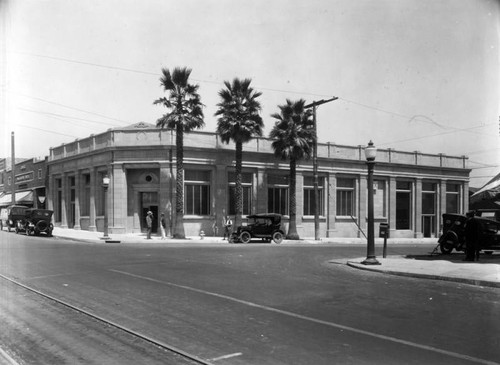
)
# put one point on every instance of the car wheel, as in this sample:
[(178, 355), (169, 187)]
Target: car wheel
[(448, 242), (245, 237), (277, 237)]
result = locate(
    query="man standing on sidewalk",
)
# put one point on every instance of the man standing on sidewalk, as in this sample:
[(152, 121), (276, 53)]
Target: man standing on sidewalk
[(149, 223), (472, 230)]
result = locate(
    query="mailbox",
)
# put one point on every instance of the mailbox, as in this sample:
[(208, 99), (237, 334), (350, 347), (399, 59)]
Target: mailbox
[(383, 230)]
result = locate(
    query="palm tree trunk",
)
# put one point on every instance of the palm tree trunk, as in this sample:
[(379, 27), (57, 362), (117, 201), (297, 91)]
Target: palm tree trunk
[(179, 187), (292, 227), (239, 190)]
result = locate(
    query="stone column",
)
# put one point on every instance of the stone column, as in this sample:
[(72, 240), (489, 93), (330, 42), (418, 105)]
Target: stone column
[(331, 207), (220, 197), (261, 204), (64, 201), (392, 205), (299, 194), (417, 211), (92, 211), (464, 196), (363, 204), (117, 199), (166, 204), (78, 192)]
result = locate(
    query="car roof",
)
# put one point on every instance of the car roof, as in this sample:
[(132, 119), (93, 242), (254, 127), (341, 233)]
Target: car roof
[(265, 215)]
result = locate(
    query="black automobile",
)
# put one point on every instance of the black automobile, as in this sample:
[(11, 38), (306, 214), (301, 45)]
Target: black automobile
[(36, 222), (264, 226), (453, 236), (15, 213)]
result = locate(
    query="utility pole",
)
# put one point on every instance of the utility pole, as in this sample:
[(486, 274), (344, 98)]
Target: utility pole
[(13, 170), (314, 105)]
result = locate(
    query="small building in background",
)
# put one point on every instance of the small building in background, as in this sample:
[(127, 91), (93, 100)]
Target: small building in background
[(29, 185)]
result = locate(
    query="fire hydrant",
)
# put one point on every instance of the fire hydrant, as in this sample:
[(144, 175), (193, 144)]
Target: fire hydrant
[(202, 235)]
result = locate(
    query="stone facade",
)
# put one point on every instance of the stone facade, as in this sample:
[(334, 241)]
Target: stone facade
[(411, 190)]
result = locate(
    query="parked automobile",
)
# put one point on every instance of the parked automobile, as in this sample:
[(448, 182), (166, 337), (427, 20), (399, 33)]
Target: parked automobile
[(36, 222), (453, 236), (3, 218), (264, 226), (14, 214)]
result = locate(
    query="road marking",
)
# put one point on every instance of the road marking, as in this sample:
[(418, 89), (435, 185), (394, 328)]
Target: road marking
[(9, 360), (315, 320), (226, 356)]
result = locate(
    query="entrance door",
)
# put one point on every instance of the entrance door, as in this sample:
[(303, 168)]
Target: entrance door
[(428, 226), (149, 202)]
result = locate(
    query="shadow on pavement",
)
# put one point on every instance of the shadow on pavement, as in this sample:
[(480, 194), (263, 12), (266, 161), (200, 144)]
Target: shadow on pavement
[(493, 258)]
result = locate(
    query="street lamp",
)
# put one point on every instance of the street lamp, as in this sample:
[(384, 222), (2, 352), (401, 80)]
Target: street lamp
[(315, 104), (370, 154), (105, 185)]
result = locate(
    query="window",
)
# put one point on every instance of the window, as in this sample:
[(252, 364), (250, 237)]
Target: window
[(197, 192), (345, 196), (309, 201), (452, 198), (403, 205), (277, 194), (246, 184), (428, 198), (39, 174)]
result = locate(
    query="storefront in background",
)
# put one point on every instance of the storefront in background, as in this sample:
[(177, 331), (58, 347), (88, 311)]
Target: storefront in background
[(29, 182)]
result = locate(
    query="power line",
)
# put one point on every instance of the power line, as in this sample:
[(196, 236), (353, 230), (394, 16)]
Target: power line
[(65, 106), (421, 118), (45, 130), (61, 116)]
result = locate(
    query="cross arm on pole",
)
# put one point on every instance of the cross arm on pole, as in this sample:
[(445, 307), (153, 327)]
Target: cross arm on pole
[(319, 102)]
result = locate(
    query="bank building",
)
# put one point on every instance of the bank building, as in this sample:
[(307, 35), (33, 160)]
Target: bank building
[(411, 190)]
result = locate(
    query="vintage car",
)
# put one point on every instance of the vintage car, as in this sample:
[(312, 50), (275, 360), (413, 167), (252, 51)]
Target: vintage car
[(14, 214), (35, 222), (264, 226), (453, 236)]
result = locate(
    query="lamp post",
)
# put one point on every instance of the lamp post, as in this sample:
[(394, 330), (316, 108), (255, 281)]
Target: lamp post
[(370, 154), (105, 185), (314, 105)]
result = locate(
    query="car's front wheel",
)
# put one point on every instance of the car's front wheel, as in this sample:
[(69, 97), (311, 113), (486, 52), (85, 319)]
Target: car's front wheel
[(245, 237), (277, 237), (448, 243)]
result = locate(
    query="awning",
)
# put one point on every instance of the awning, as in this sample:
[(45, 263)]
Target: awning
[(21, 197), (489, 193)]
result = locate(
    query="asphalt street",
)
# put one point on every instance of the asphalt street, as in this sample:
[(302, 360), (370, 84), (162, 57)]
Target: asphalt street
[(248, 304)]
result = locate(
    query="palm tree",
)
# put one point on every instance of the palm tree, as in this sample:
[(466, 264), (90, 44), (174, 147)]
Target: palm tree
[(185, 114), (293, 136), (239, 121)]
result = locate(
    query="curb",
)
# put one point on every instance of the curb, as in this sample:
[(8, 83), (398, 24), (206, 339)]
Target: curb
[(476, 282)]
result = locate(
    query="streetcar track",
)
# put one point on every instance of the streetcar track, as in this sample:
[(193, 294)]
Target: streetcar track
[(162, 345)]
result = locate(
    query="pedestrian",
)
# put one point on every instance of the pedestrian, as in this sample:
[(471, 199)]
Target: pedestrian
[(149, 223), (472, 231), (163, 226), (215, 229), (228, 224)]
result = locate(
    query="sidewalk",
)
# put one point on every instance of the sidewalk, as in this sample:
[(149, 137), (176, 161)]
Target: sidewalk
[(486, 272)]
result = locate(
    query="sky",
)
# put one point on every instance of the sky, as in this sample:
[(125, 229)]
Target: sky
[(413, 75)]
